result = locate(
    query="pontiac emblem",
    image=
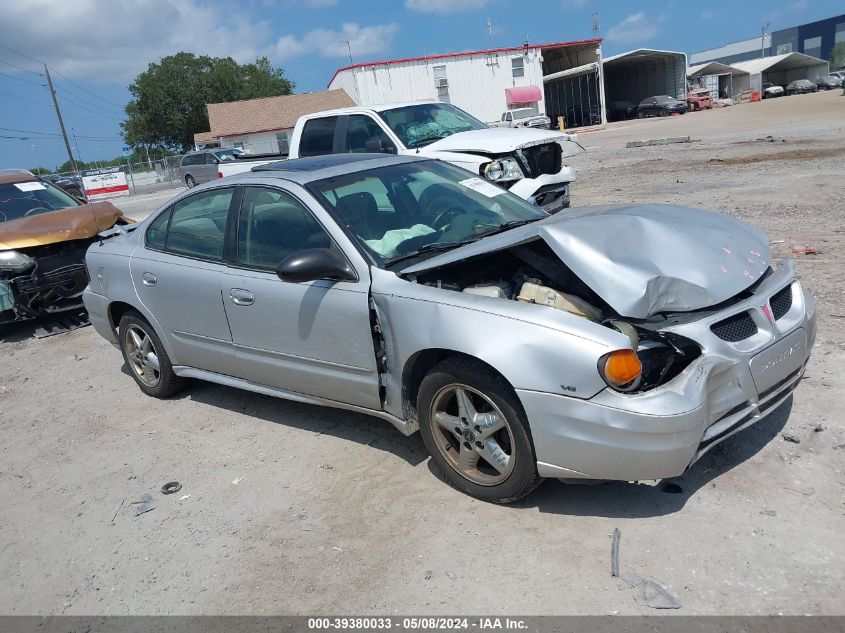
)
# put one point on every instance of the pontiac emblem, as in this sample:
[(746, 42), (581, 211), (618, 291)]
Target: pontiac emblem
[(768, 312)]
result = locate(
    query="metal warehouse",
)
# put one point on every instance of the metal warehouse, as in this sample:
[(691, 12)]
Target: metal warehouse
[(782, 69)]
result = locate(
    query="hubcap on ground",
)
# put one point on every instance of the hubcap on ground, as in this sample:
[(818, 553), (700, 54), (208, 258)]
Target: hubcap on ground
[(472, 434), (142, 356)]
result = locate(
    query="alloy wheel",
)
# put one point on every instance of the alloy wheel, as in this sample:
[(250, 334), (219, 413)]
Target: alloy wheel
[(142, 356), (473, 434)]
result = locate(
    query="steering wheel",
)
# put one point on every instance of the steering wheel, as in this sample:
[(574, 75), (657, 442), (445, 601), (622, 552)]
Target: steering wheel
[(33, 210), (444, 217)]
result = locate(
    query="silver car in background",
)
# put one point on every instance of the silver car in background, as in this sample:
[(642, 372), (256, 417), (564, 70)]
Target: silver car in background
[(602, 343), (201, 166)]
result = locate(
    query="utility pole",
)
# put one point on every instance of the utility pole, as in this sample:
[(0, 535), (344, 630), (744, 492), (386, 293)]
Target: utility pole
[(490, 29), (59, 116), (595, 24), (349, 47), (76, 145), (763, 39)]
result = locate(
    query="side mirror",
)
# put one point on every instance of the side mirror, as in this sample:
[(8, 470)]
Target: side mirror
[(315, 263), (377, 146)]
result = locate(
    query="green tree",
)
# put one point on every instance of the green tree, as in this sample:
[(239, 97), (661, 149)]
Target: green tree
[(39, 171), (837, 57), (169, 98)]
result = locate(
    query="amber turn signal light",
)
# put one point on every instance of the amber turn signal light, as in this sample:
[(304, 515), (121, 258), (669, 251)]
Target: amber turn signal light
[(621, 368)]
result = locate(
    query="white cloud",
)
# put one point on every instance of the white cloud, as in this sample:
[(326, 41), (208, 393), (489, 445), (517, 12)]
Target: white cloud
[(120, 37), (799, 5), (574, 4), (444, 6), (707, 15), (366, 40), (635, 28)]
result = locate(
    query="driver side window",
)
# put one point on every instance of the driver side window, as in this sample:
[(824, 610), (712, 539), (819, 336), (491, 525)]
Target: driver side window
[(274, 225)]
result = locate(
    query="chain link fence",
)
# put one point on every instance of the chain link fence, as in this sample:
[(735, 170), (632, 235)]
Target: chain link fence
[(145, 176)]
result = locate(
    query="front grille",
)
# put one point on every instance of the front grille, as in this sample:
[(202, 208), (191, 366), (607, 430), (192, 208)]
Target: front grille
[(781, 301), (735, 328), (542, 159)]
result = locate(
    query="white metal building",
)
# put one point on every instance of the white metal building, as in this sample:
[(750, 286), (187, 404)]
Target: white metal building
[(782, 69), (485, 83)]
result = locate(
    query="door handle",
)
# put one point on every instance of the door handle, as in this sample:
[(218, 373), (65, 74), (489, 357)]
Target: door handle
[(241, 297), (149, 279)]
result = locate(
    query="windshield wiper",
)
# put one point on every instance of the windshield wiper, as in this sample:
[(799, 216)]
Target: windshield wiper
[(428, 139), (505, 226), (434, 247)]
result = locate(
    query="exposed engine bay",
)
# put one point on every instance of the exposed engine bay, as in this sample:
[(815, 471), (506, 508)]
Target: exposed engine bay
[(50, 279), (533, 273)]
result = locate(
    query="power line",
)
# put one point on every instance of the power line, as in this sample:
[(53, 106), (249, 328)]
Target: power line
[(74, 103), (50, 138), (60, 75), (96, 138), (34, 83), (9, 94), (26, 70), (88, 104)]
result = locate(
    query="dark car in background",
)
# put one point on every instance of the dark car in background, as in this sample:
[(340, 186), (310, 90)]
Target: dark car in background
[(830, 82), (201, 166), (70, 184), (800, 87), (621, 110), (578, 116), (661, 105)]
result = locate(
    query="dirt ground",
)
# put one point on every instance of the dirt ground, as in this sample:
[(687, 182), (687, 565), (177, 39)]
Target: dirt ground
[(287, 508)]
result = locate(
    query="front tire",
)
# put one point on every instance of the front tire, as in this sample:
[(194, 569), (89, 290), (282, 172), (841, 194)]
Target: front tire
[(476, 432), (146, 357)]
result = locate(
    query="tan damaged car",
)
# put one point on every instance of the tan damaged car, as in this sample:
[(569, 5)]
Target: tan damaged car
[(44, 234)]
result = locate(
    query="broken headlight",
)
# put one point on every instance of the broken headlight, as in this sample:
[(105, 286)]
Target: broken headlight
[(502, 170), (15, 262)]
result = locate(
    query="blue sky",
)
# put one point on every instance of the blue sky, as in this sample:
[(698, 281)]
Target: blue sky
[(98, 46)]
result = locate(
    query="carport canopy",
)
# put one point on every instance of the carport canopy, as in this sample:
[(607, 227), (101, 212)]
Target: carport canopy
[(645, 72), (714, 68), (783, 69)]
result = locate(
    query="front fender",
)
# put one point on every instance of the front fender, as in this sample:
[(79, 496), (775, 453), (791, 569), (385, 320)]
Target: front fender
[(534, 347)]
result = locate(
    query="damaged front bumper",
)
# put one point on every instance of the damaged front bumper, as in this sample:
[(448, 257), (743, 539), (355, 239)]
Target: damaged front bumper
[(54, 285), (661, 433), (551, 192)]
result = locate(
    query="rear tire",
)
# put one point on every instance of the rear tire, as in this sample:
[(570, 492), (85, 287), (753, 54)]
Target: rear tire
[(189, 181), (475, 430), (146, 357)]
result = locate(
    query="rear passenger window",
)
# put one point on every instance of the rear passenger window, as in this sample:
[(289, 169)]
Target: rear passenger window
[(360, 130), (274, 225), (198, 224), (318, 137)]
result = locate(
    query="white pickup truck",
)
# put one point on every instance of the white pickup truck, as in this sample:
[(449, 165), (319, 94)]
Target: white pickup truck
[(528, 162), (523, 117)]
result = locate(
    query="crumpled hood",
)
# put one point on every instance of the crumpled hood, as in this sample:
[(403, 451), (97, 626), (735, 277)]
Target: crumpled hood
[(501, 140), (63, 225), (642, 259)]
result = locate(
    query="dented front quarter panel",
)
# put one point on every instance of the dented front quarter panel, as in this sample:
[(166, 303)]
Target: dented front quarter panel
[(534, 347)]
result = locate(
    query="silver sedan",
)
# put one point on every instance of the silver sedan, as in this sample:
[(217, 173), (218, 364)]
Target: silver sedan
[(605, 343)]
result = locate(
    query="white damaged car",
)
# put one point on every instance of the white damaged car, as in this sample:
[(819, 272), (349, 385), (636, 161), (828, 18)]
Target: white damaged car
[(606, 343)]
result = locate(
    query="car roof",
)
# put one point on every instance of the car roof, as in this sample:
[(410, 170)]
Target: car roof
[(305, 170), (373, 108), (8, 176)]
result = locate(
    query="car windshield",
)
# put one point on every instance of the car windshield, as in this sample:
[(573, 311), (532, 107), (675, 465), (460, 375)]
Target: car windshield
[(419, 125), (664, 99), (32, 197), (522, 114), (402, 211)]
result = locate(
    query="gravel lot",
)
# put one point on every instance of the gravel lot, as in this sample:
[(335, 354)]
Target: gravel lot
[(337, 512)]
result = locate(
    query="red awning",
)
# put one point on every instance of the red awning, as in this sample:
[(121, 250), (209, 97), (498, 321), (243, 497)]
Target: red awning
[(523, 94)]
